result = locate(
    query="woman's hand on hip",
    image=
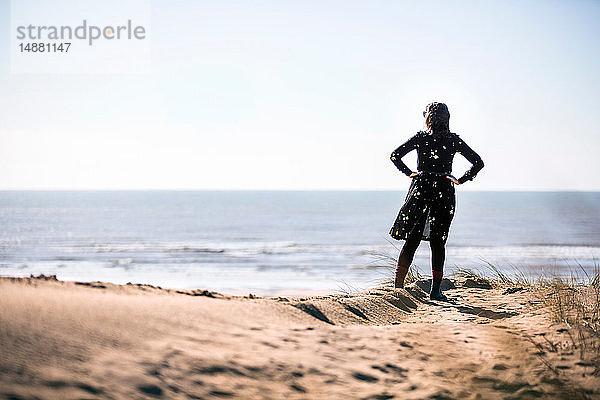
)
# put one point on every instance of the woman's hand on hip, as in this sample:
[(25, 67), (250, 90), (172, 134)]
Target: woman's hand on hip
[(453, 179), (415, 174)]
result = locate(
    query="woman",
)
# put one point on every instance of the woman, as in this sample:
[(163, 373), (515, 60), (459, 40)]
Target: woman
[(429, 206)]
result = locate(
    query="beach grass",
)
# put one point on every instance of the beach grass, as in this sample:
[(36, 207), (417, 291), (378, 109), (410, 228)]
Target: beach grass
[(575, 301), (388, 261)]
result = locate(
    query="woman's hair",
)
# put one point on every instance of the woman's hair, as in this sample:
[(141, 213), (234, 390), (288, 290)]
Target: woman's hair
[(437, 118)]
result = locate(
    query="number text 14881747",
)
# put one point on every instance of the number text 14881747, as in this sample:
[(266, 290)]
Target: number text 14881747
[(44, 47)]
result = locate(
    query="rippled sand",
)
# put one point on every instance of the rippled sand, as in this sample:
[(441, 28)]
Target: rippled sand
[(76, 340)]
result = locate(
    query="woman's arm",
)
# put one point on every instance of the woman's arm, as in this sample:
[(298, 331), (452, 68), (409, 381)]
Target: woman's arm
[(401, 151), (473, 158)]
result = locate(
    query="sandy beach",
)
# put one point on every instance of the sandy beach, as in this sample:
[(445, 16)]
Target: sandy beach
[(76, 340)]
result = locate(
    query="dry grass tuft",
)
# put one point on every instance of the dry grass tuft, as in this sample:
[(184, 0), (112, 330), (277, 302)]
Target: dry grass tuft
[(575, 302), (389, 261)]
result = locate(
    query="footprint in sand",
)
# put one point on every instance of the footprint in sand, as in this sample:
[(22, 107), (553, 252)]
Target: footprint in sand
[(150, 389), (364, 377), (298, 388)]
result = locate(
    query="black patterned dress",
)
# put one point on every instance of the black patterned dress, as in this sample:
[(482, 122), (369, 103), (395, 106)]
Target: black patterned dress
[(430, 202)]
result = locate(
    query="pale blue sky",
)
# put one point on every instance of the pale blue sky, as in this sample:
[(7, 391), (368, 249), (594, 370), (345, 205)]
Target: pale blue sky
[(316, 95)]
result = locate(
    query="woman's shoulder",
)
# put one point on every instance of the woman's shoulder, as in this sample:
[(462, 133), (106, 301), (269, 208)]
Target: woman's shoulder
[(455, 137), (420, 135), (417, 137)]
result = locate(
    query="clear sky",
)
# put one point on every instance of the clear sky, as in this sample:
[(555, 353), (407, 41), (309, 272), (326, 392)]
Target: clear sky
[(316, 95)]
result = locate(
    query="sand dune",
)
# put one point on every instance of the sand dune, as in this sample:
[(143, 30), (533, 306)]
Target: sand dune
[(72, 340)]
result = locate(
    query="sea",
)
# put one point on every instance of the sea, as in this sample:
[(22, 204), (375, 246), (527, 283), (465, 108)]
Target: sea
[(284, 242)]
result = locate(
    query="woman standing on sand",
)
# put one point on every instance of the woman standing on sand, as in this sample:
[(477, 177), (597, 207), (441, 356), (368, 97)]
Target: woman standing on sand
[(429, 206)]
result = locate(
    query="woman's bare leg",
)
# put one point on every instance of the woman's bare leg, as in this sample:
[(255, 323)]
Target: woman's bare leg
[(405, 259), (438, 256)]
